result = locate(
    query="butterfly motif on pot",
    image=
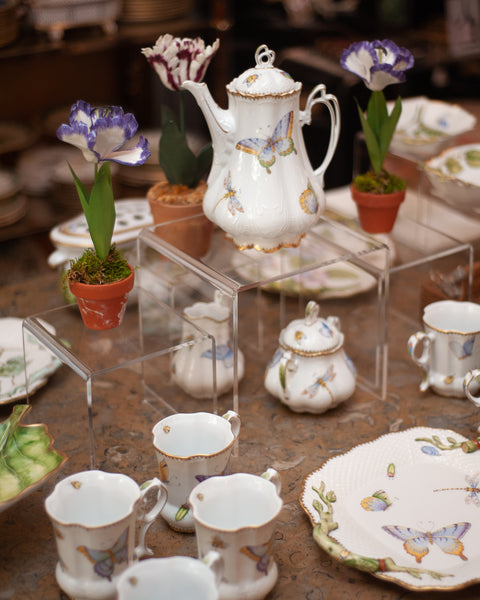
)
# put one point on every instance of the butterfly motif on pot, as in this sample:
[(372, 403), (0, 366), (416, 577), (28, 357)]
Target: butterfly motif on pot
[(462, 350), (266, 149), (472, 487), (417, 542), (260, 554), (104, 561), (308, 201), (224, 353)]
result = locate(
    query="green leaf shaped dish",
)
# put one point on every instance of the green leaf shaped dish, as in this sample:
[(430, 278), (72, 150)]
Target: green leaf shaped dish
[(27, 457)]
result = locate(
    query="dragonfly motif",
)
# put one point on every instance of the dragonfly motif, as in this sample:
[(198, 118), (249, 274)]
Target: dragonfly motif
[(260, 554), (234, 203), (472, 487), (329, 375)]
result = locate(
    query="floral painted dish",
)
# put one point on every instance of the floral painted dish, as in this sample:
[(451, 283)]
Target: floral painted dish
[(42, 363), (404, 507), (455, 176), (28, 457), (426, 127)]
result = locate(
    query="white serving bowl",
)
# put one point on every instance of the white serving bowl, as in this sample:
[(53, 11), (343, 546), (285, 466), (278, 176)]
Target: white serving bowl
[(426, 127), (455, 176)]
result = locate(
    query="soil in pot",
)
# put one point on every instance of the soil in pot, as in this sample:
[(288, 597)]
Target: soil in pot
[(188, 228)]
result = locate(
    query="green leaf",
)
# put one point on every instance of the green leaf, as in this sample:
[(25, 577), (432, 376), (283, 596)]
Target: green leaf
[(371, 142), (204, 160), (175, 157), (388, 129), (101, 212), (377, 112), (26, 455), (81, 191)]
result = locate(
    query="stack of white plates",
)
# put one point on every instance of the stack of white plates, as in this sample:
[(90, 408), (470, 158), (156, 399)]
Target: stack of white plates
[(13, 204), (140, 11)]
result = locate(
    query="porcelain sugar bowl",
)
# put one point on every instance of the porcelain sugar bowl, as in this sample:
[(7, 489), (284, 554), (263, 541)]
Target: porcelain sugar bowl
[(310, 371)]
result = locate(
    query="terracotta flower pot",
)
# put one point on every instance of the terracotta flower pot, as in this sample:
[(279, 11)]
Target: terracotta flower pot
[(377, 212), (175, 204), (103, 306)]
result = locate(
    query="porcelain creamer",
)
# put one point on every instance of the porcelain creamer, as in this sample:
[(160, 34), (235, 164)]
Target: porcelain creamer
[(262, 190), (310, 371)]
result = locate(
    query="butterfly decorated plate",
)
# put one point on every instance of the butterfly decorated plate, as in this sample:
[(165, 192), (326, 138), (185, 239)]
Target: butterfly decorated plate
[(404, 507), (42, 363)]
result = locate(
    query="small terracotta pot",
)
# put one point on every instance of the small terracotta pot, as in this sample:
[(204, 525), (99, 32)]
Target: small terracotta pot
[(103, 306), (377, 212), (188, 228)]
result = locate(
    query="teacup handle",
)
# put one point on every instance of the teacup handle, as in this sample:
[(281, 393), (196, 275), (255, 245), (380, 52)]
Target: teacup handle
[(273, 476), (470, 377), (232, 417), (415, 339), (319, 96), (148, 518), (214, 562)]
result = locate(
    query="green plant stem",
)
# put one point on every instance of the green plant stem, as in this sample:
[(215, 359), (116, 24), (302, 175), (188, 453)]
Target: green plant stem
[(182, 111)]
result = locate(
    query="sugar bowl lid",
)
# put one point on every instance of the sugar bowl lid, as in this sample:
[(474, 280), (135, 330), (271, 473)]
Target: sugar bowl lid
[(312, 335), (263, 79)]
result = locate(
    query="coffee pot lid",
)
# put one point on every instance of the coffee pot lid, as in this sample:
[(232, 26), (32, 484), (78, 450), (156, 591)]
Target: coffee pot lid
[(311, 335), (263, 79)]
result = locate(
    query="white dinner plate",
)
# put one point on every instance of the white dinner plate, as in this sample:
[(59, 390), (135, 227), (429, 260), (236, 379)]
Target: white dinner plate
[(42, 363), (412, 496)]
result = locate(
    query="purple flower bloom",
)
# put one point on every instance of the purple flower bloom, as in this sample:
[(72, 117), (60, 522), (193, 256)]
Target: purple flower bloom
[(100, 133), (378, 63), (180, 59)]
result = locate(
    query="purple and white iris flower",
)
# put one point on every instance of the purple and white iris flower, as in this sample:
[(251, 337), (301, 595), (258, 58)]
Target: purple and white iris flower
[(378, 63), (180, 59), (100, 133)]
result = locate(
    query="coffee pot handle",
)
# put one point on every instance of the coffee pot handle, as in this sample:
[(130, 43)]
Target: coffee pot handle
[(273, 476), (472, 376), (413, 341), (214, 562), (319, 96), (148, 518)]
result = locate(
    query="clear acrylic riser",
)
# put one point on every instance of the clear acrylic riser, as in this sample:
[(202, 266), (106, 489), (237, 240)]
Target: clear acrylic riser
[(344, 270), (130, 366)]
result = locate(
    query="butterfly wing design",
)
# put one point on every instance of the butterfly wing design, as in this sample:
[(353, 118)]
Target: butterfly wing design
[(462, 350), (416, 542), (104, 561), (280, 142)]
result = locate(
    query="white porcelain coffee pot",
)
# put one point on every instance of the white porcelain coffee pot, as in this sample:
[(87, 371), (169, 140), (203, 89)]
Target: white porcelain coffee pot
[(262, 190), (310, 371)]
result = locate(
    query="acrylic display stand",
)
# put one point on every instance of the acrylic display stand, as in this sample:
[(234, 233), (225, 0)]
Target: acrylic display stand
[(265, 291), (128, 365)]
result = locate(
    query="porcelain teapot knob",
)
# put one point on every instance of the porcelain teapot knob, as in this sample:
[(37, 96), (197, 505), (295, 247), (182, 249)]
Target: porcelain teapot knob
[(311, 312), (264, 57)]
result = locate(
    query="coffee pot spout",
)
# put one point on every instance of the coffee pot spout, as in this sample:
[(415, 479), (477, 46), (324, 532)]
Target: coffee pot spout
[(220, 121)]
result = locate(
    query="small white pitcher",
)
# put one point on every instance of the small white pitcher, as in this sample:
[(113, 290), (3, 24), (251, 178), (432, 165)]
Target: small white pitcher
[(450, 345), (236, 515), (191, 447), (94, 516), (173, 578)]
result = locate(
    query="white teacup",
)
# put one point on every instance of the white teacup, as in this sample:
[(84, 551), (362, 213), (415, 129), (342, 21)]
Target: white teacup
[(236, 515), (94, 516), (191, 447), (450, 345), (173, 578)]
